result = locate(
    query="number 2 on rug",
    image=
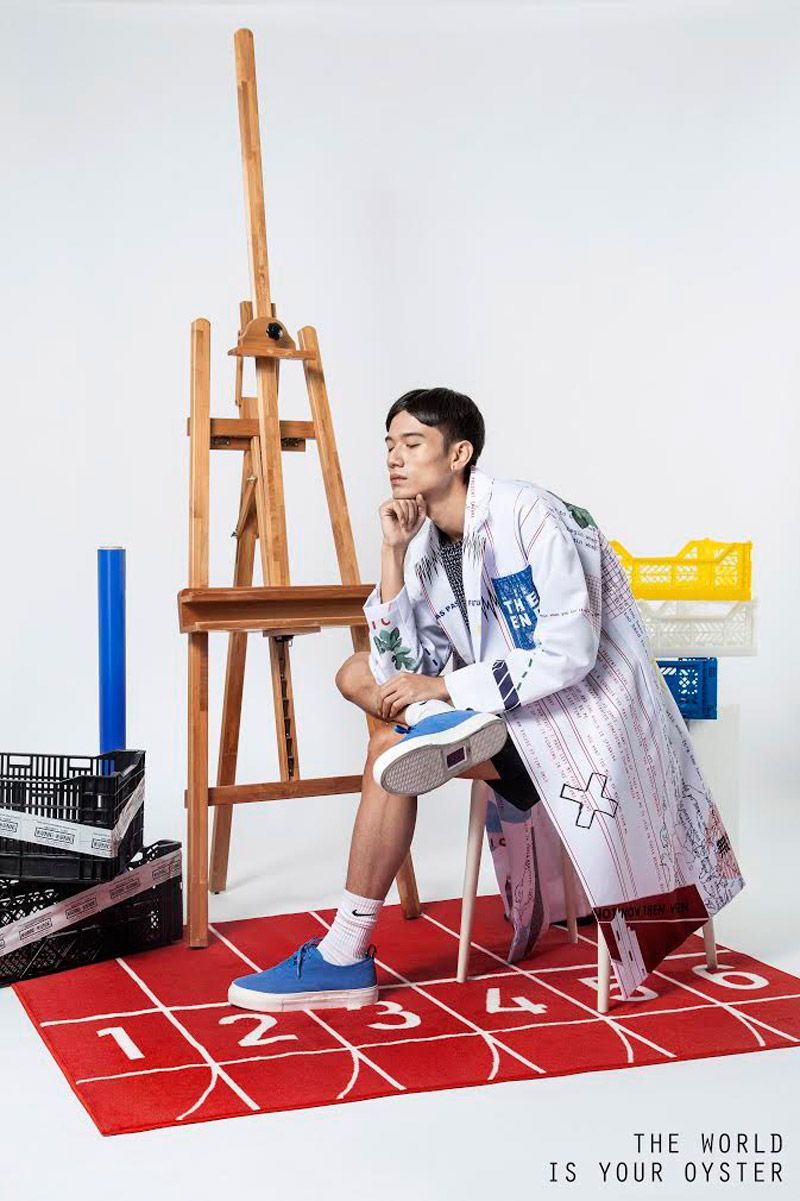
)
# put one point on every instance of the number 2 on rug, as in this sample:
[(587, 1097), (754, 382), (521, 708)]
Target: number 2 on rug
[(263, 1022)]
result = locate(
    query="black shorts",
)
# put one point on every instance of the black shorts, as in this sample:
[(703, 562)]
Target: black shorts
[(515, 785)]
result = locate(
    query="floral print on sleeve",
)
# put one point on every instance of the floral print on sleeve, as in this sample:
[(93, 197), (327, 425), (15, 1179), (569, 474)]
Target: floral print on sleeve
[(389, 640)]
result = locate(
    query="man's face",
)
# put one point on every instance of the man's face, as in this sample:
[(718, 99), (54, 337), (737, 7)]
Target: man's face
[(415, 458)]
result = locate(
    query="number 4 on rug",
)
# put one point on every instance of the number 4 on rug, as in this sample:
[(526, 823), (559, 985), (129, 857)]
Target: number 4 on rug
[(493, 1003)]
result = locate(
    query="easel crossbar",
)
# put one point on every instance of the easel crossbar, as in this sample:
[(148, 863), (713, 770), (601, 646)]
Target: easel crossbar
[(279, 790), (277, 607), (244, 429)]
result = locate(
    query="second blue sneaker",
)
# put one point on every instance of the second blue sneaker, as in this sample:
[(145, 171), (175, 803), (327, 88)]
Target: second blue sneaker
[(438, 748), (307, 981)]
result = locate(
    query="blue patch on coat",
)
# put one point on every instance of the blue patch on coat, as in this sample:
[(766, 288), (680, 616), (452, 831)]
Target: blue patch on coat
[(518, 600)]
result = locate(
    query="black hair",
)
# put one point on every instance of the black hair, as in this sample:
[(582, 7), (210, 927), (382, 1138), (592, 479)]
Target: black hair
[(456, 416)]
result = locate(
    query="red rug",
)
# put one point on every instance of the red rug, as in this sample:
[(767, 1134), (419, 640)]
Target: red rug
[(150, 1040)]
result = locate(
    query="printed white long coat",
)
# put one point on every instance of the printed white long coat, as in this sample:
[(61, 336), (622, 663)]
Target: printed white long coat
[(556, 646)]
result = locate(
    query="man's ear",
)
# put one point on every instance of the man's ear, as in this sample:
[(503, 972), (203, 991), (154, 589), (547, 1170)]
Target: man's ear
[(463, 454)]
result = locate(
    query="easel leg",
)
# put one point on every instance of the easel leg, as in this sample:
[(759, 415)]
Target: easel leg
[(197, 800), (228, 755), (407, 888), (343, 539), (232, 700), (197, 776)]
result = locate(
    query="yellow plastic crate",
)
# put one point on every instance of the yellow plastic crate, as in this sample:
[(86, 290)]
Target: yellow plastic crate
[(701, 570)]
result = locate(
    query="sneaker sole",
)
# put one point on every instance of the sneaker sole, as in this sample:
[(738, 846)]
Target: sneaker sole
[(270, 1002), (409, 770)]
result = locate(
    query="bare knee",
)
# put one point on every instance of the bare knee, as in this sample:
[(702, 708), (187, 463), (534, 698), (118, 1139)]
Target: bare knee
[(351, 673), (381, 738)]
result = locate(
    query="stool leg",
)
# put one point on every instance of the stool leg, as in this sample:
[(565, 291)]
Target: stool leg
[(710, 945), (603, 972), (568, 874), (478, 802)]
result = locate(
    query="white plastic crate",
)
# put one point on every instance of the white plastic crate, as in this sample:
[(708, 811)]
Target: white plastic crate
[(676, 627)]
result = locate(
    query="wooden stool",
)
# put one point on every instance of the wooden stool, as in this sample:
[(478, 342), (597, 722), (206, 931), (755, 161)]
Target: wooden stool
[(479, 800)]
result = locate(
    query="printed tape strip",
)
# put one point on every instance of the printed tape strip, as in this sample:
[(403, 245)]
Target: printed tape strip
[(71, 836), (36, 926)]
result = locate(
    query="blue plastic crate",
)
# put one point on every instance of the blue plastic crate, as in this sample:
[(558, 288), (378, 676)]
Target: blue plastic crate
[(693, 683)]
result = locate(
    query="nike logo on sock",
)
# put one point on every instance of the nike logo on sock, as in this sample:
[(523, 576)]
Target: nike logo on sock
[(355, 913)]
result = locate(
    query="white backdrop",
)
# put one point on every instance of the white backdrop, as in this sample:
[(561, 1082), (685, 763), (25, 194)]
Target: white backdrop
[(581, 214)]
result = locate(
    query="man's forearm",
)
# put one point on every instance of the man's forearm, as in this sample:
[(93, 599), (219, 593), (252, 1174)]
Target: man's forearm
[(392, 580)]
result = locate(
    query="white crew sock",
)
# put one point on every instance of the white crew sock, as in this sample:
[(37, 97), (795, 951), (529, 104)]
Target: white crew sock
[(348, 938), (419, 709)]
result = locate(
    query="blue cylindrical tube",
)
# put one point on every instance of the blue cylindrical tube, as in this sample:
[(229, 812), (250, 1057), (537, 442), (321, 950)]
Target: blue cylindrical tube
[(111, 631)]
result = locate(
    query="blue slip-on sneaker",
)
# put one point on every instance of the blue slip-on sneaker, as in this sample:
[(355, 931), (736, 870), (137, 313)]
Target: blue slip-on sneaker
[(307, 981), (438, 748)]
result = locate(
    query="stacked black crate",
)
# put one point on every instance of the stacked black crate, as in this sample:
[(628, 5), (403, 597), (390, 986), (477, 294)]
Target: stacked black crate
[(76, 883)]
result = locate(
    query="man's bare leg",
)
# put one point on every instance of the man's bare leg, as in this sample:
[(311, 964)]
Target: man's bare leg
[(383, 829), (356, 683), (384, 825)]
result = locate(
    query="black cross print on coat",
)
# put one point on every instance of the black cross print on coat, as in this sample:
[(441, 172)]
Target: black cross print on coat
[(591, 799)]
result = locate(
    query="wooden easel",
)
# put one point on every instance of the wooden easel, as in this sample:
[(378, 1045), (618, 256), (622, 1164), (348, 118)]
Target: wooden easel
[(279, 610)]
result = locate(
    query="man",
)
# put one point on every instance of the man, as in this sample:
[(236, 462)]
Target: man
[(553, 695)]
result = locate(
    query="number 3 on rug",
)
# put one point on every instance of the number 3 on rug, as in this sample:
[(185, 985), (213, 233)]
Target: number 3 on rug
[(394, 1009)]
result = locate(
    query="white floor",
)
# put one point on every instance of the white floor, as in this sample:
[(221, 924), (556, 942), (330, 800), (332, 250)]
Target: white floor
[(467, 1143)]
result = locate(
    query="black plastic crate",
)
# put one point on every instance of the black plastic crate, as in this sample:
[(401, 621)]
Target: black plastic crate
[(90, 790), (152, 918)]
